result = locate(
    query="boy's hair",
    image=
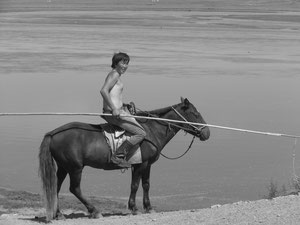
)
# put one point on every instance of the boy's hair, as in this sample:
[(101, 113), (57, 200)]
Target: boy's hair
[(121, 56)]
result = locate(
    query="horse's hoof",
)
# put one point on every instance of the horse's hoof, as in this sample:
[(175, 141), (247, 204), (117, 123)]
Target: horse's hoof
[(127, 212), (60, 216), (135, 212), (95, 214), (150, 211)]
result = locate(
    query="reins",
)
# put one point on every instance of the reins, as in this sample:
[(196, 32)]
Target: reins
[(178, 157)]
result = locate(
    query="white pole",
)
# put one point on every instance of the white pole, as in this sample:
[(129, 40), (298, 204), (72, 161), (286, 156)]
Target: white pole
[(152, 118)]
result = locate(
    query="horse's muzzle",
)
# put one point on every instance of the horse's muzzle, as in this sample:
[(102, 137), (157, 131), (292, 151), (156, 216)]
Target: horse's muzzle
[(204, 133)]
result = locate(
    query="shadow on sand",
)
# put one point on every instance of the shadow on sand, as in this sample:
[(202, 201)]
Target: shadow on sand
[(42, 219)]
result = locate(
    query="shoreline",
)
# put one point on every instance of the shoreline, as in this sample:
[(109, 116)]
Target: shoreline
[(12, 199), (24, 210)]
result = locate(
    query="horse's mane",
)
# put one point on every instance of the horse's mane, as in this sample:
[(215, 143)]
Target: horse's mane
[(157, 112)]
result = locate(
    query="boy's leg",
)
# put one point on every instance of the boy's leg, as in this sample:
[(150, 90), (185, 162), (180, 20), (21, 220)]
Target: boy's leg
[(138, 134)]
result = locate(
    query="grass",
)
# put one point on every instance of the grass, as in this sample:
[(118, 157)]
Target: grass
[(274, 190)]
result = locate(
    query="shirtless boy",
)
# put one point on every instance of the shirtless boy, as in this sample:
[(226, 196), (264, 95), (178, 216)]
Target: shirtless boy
[(112, 93)]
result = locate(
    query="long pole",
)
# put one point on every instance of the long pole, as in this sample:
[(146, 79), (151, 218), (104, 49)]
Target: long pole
[(153, 118)]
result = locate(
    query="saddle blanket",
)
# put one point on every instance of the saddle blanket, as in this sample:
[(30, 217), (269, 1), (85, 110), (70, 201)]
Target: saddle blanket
[(115, 137)]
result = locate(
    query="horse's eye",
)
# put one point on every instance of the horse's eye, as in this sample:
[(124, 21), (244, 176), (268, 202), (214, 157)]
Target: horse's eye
[(195, 114)]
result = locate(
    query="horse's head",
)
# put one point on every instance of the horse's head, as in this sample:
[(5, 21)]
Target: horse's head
[(187, 111)]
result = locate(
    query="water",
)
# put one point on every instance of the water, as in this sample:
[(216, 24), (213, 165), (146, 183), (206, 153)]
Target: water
[(235, 75)]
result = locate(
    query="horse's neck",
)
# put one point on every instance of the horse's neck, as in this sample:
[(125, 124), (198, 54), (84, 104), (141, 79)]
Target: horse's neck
[(164, 131)]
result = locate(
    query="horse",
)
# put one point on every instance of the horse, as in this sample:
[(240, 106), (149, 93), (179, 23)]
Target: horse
[(71, 147)]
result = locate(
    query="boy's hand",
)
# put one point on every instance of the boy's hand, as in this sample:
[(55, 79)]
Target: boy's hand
[(116, 113)]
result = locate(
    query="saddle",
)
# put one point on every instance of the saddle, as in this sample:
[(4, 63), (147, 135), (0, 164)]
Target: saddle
[(115, 136)]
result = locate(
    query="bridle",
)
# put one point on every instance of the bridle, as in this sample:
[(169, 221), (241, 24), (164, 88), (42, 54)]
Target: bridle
[(194, 131)]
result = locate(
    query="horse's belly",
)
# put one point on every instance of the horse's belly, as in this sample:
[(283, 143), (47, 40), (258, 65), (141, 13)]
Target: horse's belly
[(96, 154)]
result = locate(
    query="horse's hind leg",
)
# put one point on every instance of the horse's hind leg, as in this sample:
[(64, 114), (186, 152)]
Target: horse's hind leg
[(75, 179), (61, 175)]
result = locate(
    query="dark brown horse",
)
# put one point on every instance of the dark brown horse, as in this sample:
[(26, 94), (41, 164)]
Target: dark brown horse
[(75, 145)]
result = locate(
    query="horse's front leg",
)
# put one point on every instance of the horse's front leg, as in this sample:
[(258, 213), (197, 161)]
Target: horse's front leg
[(146, 187), (135, 182)]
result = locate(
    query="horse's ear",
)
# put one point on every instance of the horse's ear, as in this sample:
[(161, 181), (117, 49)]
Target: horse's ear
[(185, 101)]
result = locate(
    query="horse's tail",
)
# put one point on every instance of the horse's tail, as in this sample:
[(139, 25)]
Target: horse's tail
[(47, 172)]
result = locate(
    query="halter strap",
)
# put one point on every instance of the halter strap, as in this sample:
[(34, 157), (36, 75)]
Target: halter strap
[(196, 128)]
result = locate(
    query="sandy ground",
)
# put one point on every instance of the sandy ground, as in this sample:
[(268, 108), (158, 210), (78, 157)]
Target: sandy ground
[(22, 208)]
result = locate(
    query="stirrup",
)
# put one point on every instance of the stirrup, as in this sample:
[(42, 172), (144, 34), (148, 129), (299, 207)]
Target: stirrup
[(121, 162), (120, 155)]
